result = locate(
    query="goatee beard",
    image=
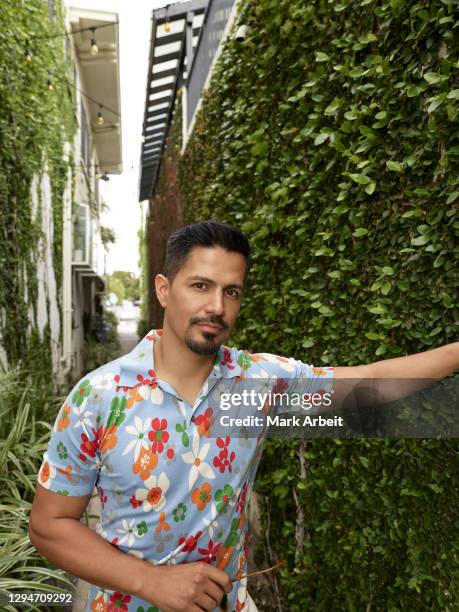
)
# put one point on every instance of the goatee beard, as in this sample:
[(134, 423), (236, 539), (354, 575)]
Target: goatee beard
[(210, 347)]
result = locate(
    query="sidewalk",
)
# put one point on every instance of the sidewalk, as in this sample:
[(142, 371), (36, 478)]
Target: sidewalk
[(127, 334)]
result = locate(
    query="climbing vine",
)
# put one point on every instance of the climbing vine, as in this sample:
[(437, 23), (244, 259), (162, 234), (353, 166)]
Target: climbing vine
[(328, 136), (36, 119)]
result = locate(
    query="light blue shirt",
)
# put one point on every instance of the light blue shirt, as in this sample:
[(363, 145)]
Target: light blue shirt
[(171, 492)]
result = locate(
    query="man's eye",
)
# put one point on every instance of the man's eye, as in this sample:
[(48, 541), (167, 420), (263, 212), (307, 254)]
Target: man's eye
[(200, 285), (233, 293)]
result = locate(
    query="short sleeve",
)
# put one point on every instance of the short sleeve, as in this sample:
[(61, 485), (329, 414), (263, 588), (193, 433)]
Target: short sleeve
[(309, 387), (71, 462)]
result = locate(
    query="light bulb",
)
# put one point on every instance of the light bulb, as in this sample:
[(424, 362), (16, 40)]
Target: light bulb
[(50, 85), (167, 27), (27, 56), (94, 47), (100, 119)]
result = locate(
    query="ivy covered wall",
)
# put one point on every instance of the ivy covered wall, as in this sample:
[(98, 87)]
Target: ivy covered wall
[(35, 122), (328, 136)]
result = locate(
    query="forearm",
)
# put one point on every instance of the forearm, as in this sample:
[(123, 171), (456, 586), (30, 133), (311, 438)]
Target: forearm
[(434, 364), (393, 379), (72, 546)]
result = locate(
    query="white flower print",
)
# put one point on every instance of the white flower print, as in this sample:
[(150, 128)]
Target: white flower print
[(212, 523), (287, 364), (103, 381), (154, 394), (82, 415), (218, 390), (196, 458), (153, 496), (135, 553), (139, 430), (128, 533)]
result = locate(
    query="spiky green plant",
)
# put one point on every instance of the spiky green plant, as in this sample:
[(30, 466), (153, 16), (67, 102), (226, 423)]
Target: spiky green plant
[(25, 409)]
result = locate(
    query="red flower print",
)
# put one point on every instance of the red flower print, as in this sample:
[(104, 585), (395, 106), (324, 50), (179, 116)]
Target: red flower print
[(135, 503), (103, 498), (190, 542), (159, 436), (116, 378), (118, 602), (227, 361), (204, 422), (241, 498), (90, 447), (147, 381), (224, 459), (279, 386), (210, 552), (114, 542)]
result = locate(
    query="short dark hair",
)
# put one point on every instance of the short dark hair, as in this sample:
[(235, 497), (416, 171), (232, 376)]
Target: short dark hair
[(206, 234)]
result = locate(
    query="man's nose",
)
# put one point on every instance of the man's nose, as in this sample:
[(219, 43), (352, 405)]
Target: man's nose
[(215, 303)]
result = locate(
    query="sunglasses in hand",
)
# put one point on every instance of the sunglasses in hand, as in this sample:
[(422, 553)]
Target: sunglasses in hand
[(224, 601)]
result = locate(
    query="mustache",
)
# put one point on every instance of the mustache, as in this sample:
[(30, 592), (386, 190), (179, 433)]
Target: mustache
[(211, 320)]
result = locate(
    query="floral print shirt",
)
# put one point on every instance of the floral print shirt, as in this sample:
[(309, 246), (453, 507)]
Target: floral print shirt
[(169, 491)]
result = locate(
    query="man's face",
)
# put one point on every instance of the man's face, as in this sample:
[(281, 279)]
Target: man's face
[(203, 301)]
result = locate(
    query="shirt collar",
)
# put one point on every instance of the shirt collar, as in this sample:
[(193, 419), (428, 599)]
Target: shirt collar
[(137, 367)]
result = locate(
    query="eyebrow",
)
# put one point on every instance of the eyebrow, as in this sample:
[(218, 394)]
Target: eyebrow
[(211, 282)]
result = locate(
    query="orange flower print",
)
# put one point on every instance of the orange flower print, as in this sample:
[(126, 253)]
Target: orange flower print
[(146, 462), (163, 524), (45, 471), (134, 397), (99, 604), (67, 472), (64, 418), (108, 438), (205, 422), (46, 475), (201, 496)]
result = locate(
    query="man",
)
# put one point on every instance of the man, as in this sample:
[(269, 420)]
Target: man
[(174, 496)]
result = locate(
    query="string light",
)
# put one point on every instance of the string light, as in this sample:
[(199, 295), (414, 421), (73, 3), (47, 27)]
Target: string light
[(50, 85), (94, 48), (100, 117), (166, 26), (87, 29)]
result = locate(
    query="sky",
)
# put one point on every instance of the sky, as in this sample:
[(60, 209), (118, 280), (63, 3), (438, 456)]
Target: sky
[(121, 192)]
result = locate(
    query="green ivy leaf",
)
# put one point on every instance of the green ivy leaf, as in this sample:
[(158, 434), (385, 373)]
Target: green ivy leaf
[(360, 231), (395, 166), (420, 240), (433, 77), (361, 179)]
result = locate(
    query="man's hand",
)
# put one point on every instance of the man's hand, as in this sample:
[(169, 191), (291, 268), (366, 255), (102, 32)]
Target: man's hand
[(186, 587)]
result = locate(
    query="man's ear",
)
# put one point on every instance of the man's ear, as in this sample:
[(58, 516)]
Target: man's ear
[(162, 289)]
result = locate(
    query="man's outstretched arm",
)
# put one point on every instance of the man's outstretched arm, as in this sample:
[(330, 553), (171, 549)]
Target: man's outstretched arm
[(434, 364), (419, 370)]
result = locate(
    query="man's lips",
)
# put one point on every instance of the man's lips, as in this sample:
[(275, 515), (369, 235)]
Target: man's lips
[(209, 326)]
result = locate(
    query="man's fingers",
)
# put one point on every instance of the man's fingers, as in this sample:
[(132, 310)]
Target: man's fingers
[(206, 602), (221, 578), (214, 591)]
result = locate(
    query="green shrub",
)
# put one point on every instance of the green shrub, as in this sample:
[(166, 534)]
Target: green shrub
[(328, 137)]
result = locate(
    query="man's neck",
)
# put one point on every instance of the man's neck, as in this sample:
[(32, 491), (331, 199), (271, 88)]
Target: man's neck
[(177, 364)]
